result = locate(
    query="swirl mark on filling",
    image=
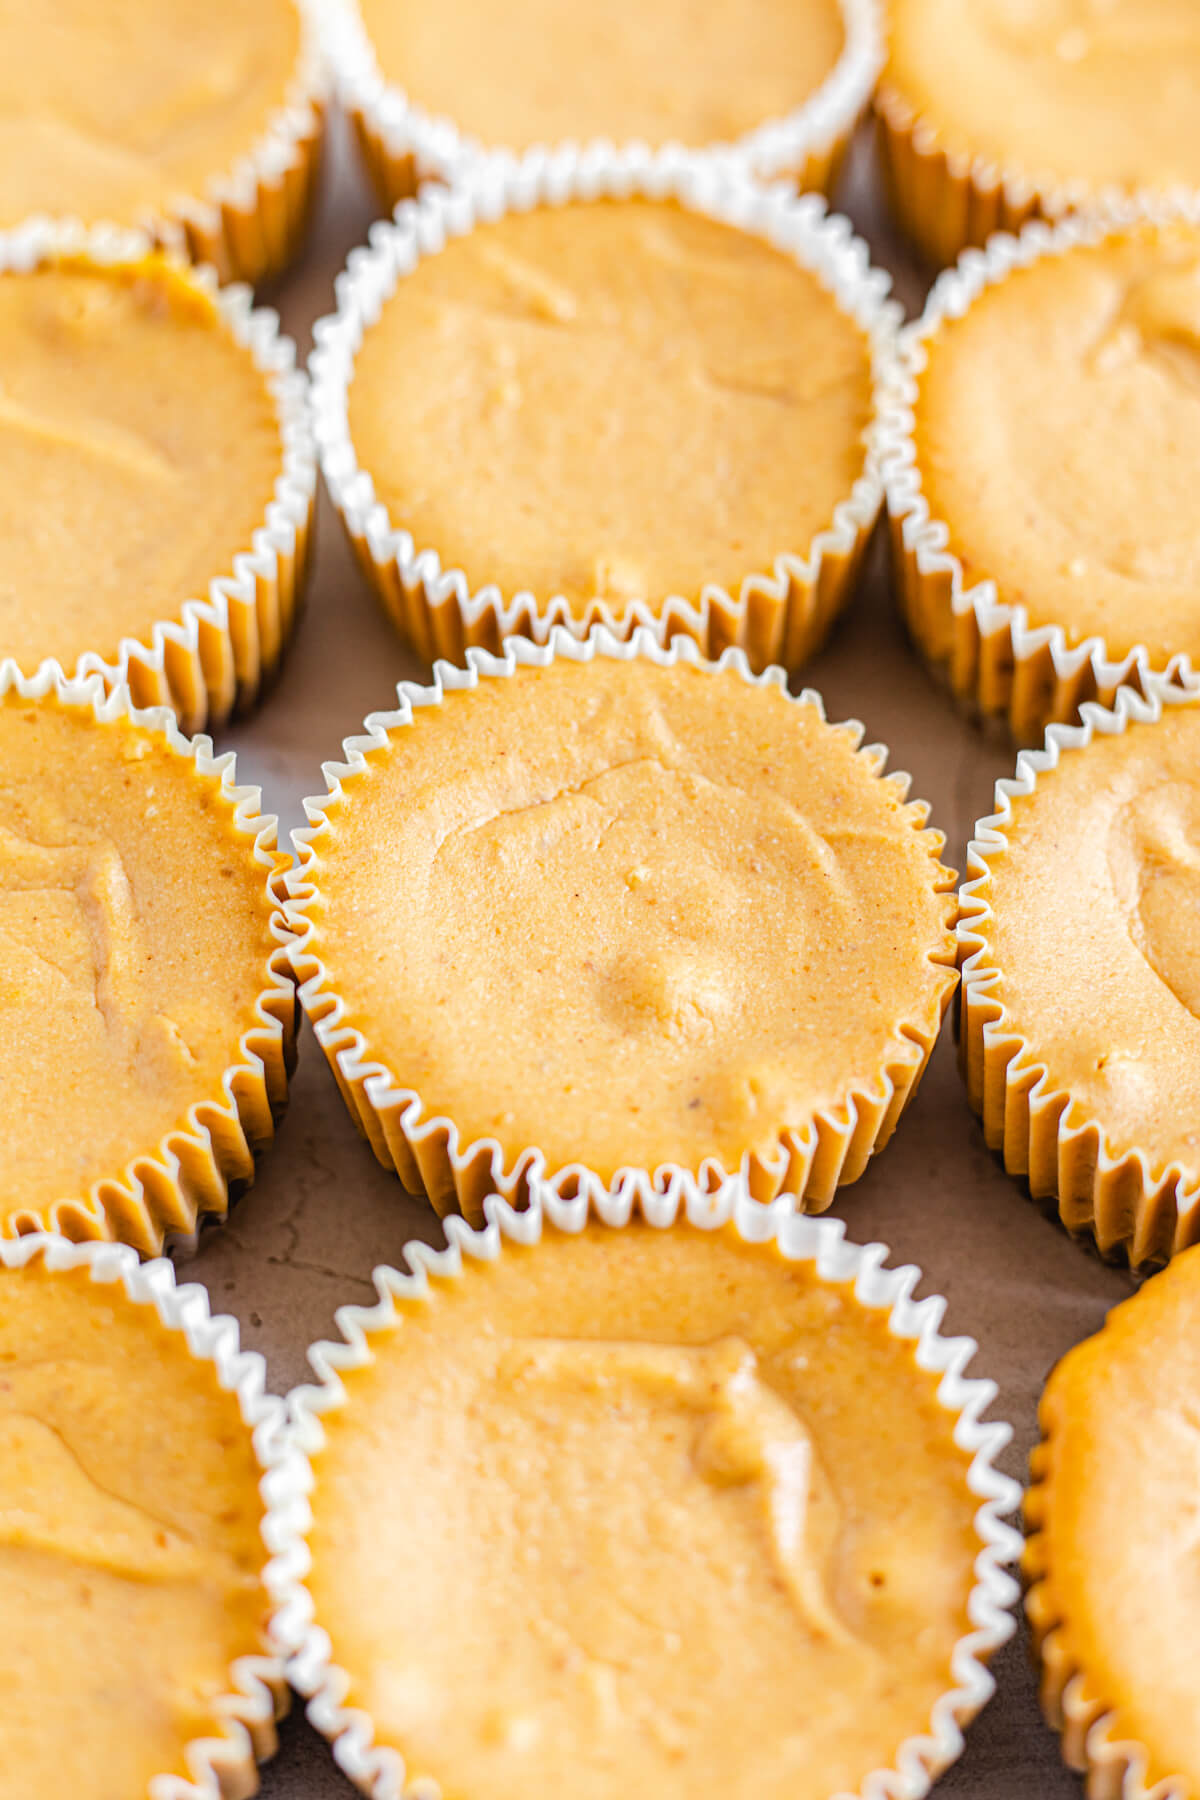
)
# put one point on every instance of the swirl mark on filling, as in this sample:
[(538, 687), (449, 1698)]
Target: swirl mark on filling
[(94, 882), (749, 1434), (1154, 860), (55, 1501)]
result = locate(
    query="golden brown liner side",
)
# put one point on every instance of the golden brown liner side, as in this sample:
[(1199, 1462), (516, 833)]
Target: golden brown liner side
[(996, 665), (197, 1170), (945, 200), (217, 658), (1113, 1767), (251, 223), (1128, 1203)]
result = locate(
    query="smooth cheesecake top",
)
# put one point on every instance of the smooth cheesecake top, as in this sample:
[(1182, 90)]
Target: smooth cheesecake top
[(1057, 423), (536, 71), (611, 401), (1098, 93), (139, 450), (116, 111)]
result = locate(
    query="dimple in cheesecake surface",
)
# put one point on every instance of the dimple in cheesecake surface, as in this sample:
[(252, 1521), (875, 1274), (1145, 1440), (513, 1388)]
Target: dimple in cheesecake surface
[(614, 912)]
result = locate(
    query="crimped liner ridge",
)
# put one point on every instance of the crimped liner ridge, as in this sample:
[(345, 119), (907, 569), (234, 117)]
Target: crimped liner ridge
[(222, 1767), (778, 617), (403, 146), (1116, 1767), (217, 657), (951, 199), (1129, 1204), (163, 1194), (427, 1152), (995, 663), (251, 221), (379, 1771)]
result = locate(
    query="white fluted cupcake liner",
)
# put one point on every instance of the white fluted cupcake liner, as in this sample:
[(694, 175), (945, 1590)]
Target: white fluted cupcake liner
[(223, 1765), (428, 1152), (218, 655), (995, 663), (779, 615), (166, 1191), (251, 221), (1130, 1204), (403, 146), (379, 1771)]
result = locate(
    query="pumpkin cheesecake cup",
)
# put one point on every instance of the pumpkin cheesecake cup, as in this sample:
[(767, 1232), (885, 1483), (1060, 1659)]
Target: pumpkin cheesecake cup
[(200, 122), (625, 390), (136, 1442), (992, 115), (157, 473), (703, 1511), (1035, 455), (1114, 1591), (147, 1014), (625, 918), (779, 88), (1079, 943)]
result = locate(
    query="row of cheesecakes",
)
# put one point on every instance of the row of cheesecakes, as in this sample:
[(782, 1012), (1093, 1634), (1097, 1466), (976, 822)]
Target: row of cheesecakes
[(206, 128), (616, 1507), (989, 115), (200, 123), (597, 913), (160, 501), (564, 816), (641, 869), (510, 448), (1029, 377), (675, 1503), (724, 490)]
